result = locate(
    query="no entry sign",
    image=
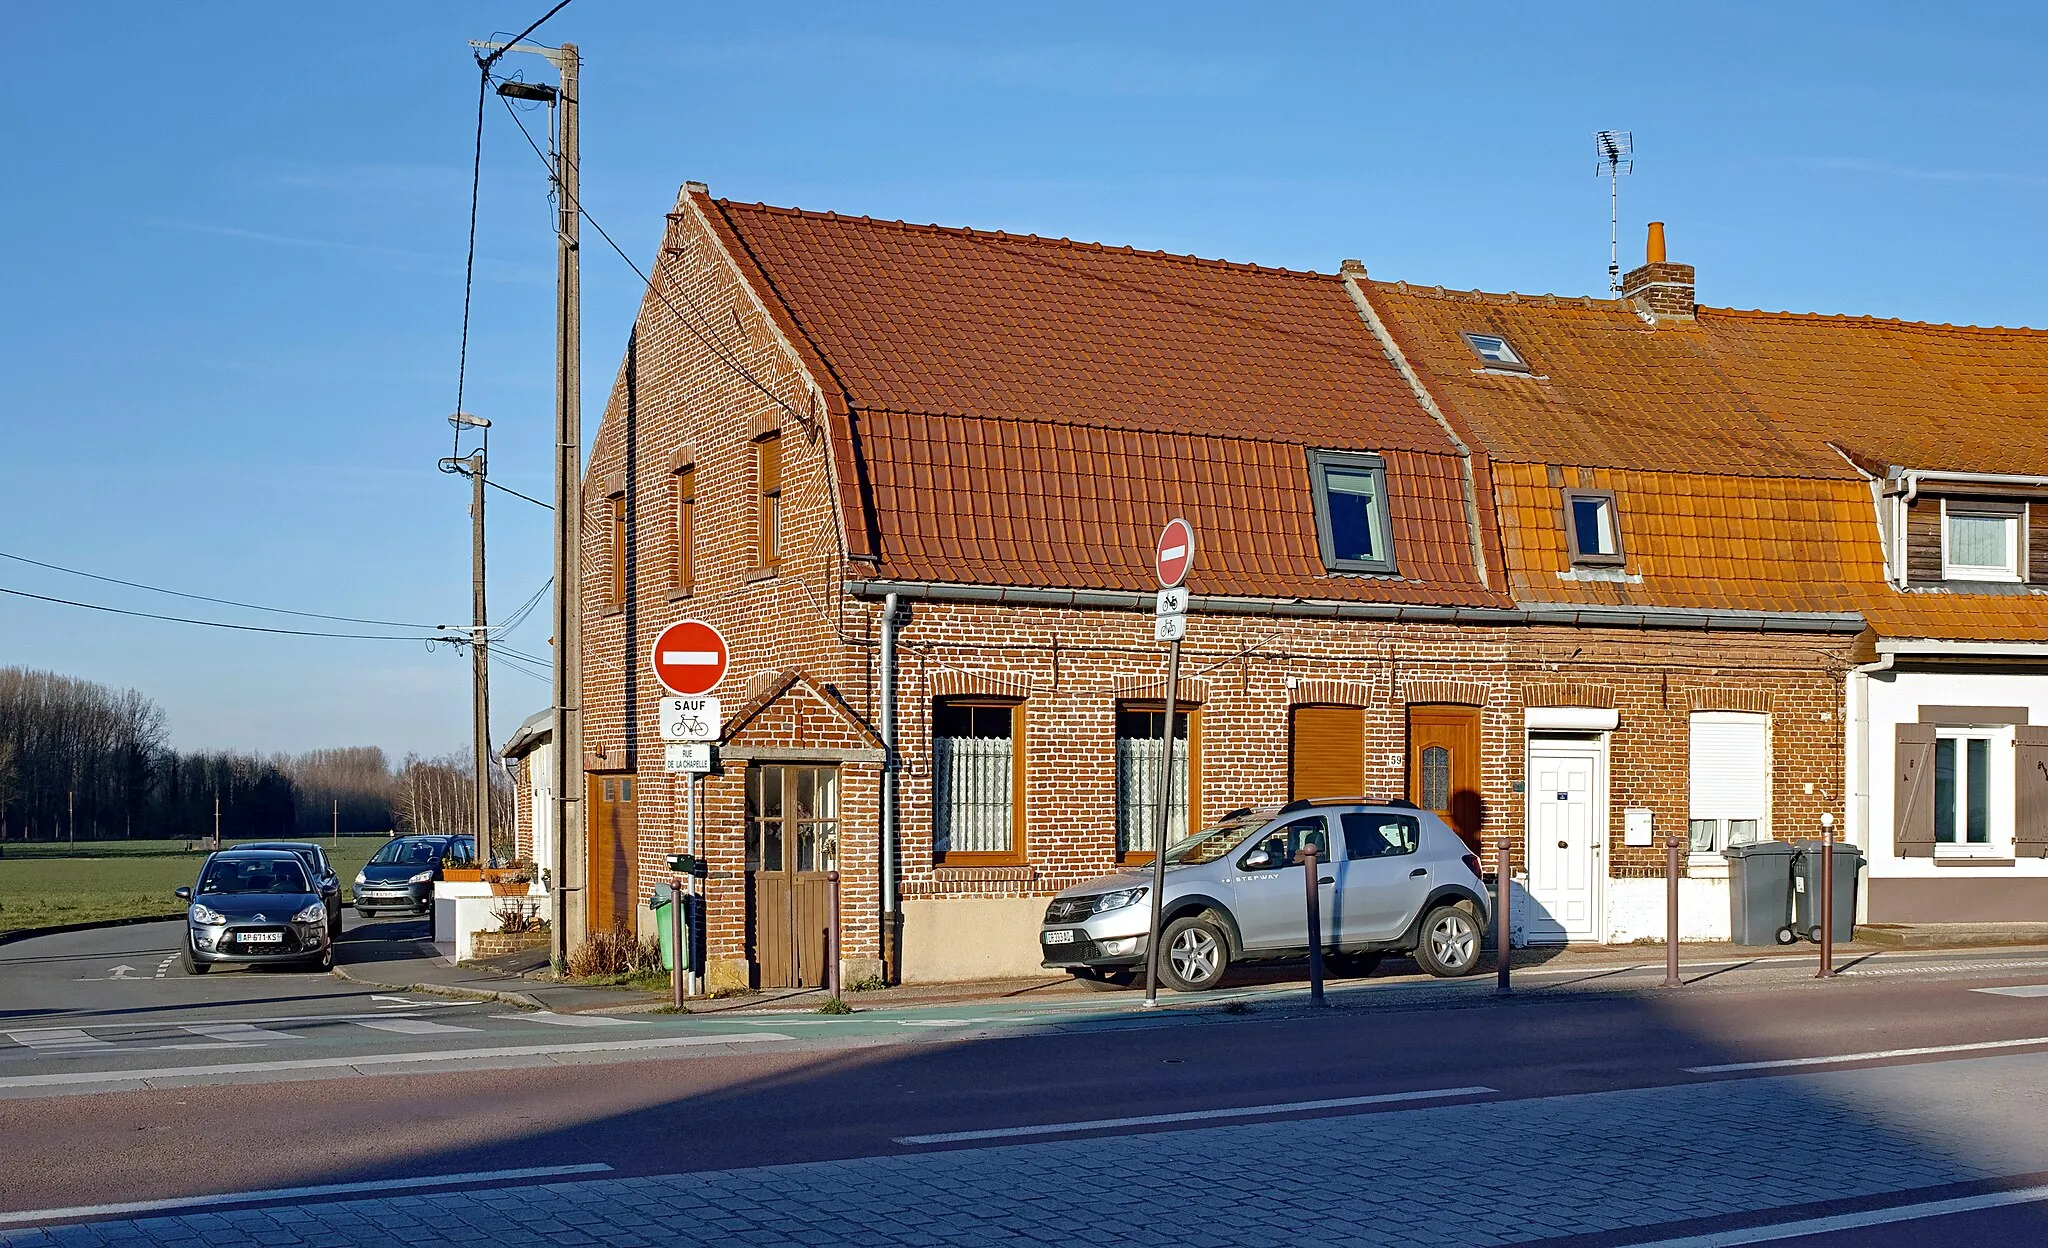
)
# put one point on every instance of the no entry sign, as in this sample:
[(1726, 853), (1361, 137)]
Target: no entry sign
[(689, 658), (1176, 552)]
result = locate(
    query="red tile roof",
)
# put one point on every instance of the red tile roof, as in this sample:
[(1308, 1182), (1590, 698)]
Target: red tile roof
[(1028, 411), (1718, 436), (1956, 397)]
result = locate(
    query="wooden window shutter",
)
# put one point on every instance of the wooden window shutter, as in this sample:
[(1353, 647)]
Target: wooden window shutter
[(2030, 785), (1913, 798), (1327, 752)]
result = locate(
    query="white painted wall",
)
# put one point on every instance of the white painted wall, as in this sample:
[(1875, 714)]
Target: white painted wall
[(1635, 910), (948, 940), (1895, 697)]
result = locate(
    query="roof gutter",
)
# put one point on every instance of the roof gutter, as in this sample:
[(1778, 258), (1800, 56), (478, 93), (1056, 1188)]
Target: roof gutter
[(1562, 615), (1906, 482), (1938, 647)]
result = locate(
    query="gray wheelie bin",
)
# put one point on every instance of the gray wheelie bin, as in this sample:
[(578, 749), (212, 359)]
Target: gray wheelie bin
[(1806, 890), (1759, 891)]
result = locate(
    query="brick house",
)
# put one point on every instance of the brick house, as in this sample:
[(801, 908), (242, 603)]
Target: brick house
[(915, 475), (1815, 470)]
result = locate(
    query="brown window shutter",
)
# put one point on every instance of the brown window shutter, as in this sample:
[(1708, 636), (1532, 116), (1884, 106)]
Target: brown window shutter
[(1913, 798), (1327, 752), (2030, 784)]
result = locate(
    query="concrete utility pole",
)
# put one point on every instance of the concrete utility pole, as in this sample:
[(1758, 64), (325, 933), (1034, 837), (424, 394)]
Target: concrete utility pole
[(334, 832), (565, 909), (569, 830), (216, 821), (479, 656)]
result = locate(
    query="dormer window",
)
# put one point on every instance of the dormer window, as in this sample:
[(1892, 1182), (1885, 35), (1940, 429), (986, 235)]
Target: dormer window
[(1592, 528), (1497, 352), (1352, 523), (1980, 541)]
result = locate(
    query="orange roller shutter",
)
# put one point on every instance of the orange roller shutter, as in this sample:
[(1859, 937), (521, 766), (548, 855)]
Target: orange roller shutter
[(1327, 751)]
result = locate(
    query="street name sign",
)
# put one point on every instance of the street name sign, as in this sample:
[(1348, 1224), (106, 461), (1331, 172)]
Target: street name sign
[(691, 719), (692, 757), (1172, 602), (1176, 553), (689, 657)]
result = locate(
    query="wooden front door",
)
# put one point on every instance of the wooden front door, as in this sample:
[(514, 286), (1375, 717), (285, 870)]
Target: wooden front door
[(1443, 766), (1326, 752), (792, 841), (614, 843)]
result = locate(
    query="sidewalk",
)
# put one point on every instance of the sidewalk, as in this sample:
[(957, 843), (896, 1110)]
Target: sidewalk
[(521, 979)]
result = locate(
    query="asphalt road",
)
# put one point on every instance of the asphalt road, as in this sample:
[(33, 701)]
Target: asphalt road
[(441, 1088)]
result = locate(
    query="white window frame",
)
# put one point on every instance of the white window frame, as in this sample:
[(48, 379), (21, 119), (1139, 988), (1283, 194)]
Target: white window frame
[(2015, 542), (1999, 810), (1699, 810)]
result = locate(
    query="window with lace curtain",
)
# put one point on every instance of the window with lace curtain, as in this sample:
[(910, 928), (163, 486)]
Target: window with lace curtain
[(1140, 740), (977, 774)]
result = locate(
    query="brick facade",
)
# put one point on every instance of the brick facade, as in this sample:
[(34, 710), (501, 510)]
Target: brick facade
[(712, 367)]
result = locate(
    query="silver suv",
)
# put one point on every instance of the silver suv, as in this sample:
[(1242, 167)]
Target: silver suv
[(1393, 879)]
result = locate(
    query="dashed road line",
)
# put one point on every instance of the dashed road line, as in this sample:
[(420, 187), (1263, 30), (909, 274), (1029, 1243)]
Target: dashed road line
[(163, 968), (60, 1041), (238, 1032), (1193, 1115), (409, 1026), (390, 1059), (18, 1217), (567, 1020), (1876, 1055), (2017, 990)]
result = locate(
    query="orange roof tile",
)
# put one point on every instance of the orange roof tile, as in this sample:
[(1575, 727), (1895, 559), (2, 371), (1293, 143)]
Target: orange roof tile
[(1948, 616), (1955, 397), (1028, 411), (1711, 542), (1605, 388)]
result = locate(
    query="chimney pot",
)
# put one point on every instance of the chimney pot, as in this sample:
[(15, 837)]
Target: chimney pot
[(1653, 253), (1659, 289)]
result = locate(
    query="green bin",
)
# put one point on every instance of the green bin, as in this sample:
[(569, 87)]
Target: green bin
[(660, 903)]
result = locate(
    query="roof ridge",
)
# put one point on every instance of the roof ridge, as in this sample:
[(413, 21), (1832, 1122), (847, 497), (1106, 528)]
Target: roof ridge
[(1865, 318), (1510, 297), (1067, 422), (969, 232)]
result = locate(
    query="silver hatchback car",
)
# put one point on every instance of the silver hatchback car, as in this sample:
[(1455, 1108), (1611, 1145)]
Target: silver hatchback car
[(1391, 878)]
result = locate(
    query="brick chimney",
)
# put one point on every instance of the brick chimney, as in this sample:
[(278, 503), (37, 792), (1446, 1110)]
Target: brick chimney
[(1659, 289)]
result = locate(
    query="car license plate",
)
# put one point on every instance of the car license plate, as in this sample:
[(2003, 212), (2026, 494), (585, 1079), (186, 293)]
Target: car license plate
[(1059, 938), (262, 938)]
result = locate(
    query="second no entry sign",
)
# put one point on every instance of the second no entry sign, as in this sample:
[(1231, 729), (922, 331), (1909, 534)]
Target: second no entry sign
[(689, 658)]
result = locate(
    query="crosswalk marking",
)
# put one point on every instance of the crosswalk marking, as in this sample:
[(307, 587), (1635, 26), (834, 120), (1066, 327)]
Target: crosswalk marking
[(407, 1026), (566, 1020), (59, 1041), (241, 1033)]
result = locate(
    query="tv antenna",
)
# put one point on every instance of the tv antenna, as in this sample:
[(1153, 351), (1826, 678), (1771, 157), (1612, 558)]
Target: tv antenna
[(1617, 151)]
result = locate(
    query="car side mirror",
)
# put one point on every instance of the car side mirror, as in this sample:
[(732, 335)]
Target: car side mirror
[(182, 893), (1257, 860)]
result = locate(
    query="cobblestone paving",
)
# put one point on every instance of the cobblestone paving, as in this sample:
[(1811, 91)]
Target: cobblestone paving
[(1473, 1174)]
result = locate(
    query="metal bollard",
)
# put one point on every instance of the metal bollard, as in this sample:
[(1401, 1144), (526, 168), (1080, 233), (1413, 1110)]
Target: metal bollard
[(1671, 845), (1310, 876), (832, 937), (1503, 955), (677, 931), (1827, 898)]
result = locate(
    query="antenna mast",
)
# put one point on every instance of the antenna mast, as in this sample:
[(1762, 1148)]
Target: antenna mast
[(1617, 151)]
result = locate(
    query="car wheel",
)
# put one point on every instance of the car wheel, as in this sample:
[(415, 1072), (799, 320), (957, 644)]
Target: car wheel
[(1196, 954), (1354, 965), (194, 966), (1449, 946)]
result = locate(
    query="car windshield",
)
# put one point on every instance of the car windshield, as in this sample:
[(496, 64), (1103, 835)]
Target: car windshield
[(412, 851), (254, 875), (1214, 842)]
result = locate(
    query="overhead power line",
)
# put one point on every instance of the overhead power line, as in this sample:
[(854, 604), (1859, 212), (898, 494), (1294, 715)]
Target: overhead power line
[(240, 628), (225, 602), (716, 348)]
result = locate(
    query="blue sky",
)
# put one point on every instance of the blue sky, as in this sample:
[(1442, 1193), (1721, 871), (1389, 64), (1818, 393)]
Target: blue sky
[(234, 239)]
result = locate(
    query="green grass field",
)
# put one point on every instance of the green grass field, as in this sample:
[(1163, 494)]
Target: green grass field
[(43, 884)]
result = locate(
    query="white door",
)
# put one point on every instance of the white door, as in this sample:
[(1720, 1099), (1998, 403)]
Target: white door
[(1565, 834)]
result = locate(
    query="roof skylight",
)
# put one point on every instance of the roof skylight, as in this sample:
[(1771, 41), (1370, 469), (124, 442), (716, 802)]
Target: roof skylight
[(1497, 352)]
